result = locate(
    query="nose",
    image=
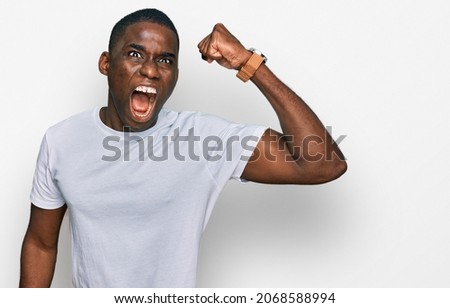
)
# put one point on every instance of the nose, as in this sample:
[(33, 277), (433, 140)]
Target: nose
[(150, 69)]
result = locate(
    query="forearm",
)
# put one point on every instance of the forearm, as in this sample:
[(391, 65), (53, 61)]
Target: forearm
[(306, 136), (37, 265)]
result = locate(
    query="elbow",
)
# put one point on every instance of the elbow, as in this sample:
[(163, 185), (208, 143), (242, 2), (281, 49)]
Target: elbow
[(334, 171), (328, 172), (339, 168)]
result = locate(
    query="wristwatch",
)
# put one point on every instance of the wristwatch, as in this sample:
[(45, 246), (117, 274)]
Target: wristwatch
[(249, 69)]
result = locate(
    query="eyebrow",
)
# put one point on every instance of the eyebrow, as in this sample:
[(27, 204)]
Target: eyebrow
[(137, 46), (168, 54), (142, 48)]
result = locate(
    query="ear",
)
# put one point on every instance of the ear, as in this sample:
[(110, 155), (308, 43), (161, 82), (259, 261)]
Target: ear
[(103, 63)]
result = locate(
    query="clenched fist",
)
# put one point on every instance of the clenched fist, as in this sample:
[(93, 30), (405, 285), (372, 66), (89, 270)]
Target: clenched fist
[(221, 46)]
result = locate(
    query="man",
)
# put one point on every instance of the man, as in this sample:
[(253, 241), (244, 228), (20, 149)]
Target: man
[(140, 181)]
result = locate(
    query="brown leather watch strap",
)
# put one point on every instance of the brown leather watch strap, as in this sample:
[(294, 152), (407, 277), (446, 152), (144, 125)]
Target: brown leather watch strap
[(249, 69)]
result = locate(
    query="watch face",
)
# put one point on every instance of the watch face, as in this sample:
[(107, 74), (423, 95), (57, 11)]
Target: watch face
[(259, 53)]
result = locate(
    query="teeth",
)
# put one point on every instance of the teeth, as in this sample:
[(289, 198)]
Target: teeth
[(145, 89)]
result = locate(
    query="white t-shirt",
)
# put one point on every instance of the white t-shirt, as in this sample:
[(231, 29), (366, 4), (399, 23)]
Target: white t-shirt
[(138, 202)]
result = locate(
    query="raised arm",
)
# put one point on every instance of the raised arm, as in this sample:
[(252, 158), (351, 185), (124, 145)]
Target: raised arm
[(39, 249), (304, 153)]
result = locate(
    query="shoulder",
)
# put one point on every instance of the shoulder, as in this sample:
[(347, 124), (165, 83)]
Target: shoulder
[(71, 125), (210, 124), (196, 118)]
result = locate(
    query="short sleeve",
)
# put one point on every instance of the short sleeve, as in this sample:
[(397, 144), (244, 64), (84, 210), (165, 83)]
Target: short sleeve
[(45, 192), (249, 138), (228, 146)]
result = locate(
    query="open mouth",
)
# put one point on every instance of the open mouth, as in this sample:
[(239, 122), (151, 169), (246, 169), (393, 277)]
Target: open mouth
[(142, 102)]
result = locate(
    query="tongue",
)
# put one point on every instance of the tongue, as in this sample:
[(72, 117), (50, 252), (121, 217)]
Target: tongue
[(139, 102)]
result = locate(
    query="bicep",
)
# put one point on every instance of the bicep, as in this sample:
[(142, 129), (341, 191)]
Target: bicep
[(273, 162)]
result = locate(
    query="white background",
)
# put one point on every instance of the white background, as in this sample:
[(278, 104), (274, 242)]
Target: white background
[(376, 71)]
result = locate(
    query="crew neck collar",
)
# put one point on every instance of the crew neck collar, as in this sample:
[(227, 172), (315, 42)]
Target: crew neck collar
[(112, 132)]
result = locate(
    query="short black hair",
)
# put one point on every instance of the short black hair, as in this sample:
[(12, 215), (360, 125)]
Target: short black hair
[(149, 15)]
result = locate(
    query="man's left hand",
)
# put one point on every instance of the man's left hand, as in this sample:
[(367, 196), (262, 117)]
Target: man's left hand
[(221, 46)]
